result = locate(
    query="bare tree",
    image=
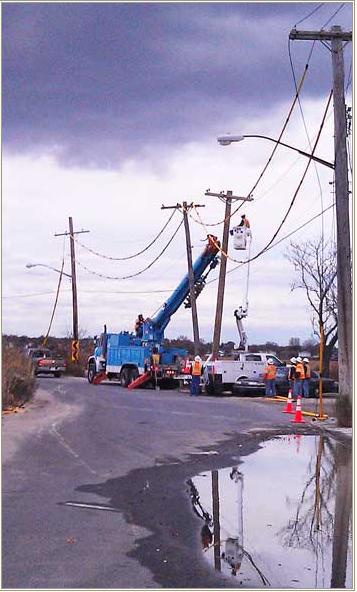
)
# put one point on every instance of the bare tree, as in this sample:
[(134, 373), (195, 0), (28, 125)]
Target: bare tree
[(316, 265)]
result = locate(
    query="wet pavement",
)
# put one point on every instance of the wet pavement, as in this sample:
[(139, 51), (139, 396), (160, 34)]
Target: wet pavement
[(282, 517)]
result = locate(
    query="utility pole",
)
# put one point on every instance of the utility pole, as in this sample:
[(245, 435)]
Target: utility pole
[(75, 340), (344, 264), (185, 207), (222, 271)]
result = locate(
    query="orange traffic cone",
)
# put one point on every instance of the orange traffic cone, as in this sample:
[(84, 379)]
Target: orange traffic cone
[(298, 415), (289, 403)]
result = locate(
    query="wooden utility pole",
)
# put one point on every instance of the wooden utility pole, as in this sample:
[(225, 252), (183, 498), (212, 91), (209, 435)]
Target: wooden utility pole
[(344, 264), (75, 340), (185, 207), (222, 271)]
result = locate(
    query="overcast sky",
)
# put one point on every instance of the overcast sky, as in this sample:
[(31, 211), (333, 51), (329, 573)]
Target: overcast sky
[(111, 110)]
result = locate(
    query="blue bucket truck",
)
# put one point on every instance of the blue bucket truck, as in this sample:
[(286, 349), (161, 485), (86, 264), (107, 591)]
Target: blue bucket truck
[(126, 356)]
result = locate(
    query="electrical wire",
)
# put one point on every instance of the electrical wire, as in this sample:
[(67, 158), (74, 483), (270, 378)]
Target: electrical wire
[(139, 272), (54, 307), (282, 239), (291, 203), (310, 14), (270, 157), (333, 16), (129, 256)]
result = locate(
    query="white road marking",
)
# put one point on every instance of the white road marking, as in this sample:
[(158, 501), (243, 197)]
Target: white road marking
[(90, 506), (70, 450)]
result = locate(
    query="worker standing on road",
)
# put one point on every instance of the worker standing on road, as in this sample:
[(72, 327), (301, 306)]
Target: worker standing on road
[(155, 361), (306, 380), (299, 377), (196, 373), (291, 374), (269, 378)]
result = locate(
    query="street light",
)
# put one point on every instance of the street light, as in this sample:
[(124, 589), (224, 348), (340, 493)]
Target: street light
[(29, 265), (228, 139)]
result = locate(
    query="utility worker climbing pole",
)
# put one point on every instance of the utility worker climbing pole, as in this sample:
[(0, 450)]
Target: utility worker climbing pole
[(306, 379), (269, 378), (299, 377), (196, 372)]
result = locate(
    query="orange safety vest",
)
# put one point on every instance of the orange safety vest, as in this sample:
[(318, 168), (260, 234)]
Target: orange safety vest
[(300, 371), (307, 370), (269, 372), (196, 368)]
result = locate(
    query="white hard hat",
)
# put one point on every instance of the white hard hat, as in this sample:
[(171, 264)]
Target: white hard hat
[(305, 359), (298, 359), (198, 359), (293, 360), (270, 361)]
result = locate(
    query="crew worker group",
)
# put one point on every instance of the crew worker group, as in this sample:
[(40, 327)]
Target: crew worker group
[(299, 376)]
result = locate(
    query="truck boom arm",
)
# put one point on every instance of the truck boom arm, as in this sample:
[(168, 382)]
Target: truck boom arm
[(153, 329)]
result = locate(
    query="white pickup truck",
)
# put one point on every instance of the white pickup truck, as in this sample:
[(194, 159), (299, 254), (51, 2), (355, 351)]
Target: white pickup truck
[(220, 375)]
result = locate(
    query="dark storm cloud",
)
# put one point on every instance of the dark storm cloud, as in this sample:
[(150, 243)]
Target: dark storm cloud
[(102, 80)]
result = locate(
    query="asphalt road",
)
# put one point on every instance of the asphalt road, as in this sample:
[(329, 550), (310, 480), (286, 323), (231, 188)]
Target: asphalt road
[(124, 457)]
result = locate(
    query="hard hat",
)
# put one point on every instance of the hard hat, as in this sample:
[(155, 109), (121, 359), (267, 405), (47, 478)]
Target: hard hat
[(293, 360), (198, 359), (270, 361), (305, 359), (298, 359)]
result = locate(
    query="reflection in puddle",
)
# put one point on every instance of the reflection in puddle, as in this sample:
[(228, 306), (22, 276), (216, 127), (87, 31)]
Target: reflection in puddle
[(282, 518)]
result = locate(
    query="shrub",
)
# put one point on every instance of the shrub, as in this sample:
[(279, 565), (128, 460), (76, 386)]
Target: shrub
[(18, 381)]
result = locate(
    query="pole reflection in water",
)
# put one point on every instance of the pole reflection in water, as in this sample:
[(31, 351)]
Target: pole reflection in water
[(343, 508), (296, 511)]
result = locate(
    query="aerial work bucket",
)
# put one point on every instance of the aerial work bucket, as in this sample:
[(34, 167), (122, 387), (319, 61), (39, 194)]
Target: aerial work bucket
[(240, 235)]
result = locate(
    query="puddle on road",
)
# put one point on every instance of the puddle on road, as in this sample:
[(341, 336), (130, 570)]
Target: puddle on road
[(281, 518)]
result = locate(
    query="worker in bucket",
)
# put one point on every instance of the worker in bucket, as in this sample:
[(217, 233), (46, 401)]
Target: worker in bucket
[(196, 373), (244, 221), (299, 377), (269, 378), (306, 380)]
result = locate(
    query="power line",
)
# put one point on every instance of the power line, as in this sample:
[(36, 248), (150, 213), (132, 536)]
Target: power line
[(270, 157), (310, 14), (139, 272), (281, 240), (225, 254), (129, 256)]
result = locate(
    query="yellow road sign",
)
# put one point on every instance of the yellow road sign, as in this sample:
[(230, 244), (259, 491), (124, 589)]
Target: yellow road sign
[(75, 350)]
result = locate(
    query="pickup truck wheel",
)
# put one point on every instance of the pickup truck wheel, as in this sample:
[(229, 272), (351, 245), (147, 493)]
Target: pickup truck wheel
[(57, 374), (125, 377), (91, 373)]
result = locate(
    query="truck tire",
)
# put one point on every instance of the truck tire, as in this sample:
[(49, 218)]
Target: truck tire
[(133, 375), (91, 373), (57, 374), (125, 377)]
